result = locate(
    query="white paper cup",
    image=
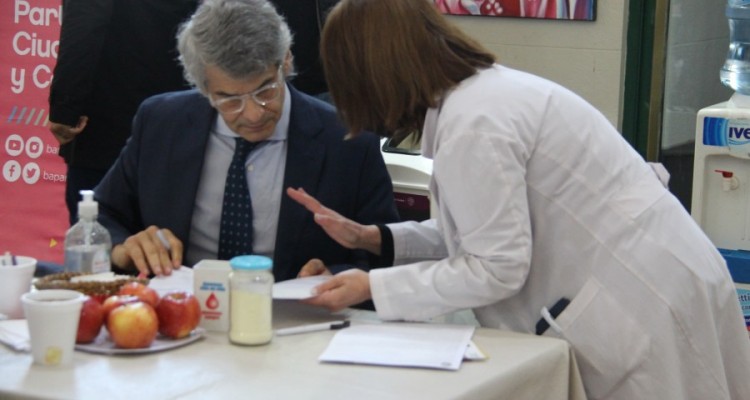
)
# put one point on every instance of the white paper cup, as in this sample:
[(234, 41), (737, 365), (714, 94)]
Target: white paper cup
[(53, 323), (15, 280)]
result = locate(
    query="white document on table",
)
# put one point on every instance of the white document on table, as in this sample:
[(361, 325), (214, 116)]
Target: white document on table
[(297, 289), (181, 279), (14, 333), (401, 345)]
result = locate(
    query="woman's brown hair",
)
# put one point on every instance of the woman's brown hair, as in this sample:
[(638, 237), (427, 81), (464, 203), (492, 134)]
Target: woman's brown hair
[(387, 61)]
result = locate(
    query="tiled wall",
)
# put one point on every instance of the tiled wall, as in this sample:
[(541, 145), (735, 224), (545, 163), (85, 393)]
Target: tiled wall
[(586, 57), (697, 43)]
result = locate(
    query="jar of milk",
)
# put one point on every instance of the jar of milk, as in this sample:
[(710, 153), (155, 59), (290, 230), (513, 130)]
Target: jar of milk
[(250, 284)]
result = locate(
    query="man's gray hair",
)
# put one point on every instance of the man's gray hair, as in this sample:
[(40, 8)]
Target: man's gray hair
[(240, 37)]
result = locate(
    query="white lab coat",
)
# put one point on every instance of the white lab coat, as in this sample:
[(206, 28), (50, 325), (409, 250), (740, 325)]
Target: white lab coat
[(538, 198)]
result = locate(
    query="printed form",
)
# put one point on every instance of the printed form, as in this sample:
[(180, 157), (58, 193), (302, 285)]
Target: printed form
[(401, 345)]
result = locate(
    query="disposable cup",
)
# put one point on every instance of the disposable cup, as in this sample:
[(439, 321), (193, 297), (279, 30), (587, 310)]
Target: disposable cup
[(53, 316), (15, 280)]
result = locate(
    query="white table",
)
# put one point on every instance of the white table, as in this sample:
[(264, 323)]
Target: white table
[(519, 367)]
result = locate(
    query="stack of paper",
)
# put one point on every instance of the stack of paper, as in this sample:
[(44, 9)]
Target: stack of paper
[(180, 279), (15, 334), (401, 344), (297, 289)]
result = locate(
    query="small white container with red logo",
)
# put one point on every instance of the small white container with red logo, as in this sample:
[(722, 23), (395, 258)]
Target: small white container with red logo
[(211, 288)]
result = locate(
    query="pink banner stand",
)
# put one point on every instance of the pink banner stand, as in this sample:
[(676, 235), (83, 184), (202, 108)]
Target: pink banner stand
[(33, 216)]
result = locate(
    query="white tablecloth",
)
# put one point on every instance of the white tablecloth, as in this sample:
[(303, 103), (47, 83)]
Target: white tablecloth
[(519, 367)]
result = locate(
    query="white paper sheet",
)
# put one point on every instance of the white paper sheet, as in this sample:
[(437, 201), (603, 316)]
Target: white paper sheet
[(14, 333), (473, 353), (297, 289), (401, 344), (180, 279)]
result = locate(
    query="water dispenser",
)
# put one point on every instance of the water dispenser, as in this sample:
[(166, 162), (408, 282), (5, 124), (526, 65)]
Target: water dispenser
[(721, 172)]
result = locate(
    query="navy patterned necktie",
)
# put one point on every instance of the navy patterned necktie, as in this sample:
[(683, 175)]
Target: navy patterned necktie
[(236, 233)]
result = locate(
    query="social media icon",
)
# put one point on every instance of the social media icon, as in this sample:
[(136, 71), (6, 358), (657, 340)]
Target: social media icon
[(34, 147), (31, 173), (11, 170), (14, 145)]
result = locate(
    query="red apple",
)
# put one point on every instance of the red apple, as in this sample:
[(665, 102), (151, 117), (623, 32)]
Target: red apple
[(143, 292), (100, 297), (133, 325), (112, 302), (179, 313), (91, 320)]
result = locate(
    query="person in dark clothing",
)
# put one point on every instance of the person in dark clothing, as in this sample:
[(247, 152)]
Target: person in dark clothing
[(305, 18), (113, 54)]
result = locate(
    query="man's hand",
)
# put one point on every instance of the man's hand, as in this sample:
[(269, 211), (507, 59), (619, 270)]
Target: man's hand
[(343, 230), (147, 252), (342, 290), (66, 133)]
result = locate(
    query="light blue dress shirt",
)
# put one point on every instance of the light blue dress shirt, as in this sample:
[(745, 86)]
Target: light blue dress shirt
[(265, 177)]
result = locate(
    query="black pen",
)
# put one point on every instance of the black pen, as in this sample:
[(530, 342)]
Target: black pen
[(543, 325), (325, 326)]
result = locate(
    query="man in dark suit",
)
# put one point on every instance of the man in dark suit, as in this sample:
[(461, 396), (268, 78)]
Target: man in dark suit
[(164, 198)]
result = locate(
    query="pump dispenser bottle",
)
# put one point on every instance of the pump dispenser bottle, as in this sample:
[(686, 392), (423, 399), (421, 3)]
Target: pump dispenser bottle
[(87, 243)]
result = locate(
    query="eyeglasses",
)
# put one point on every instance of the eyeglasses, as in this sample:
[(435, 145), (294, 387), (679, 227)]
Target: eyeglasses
[(261, 96)]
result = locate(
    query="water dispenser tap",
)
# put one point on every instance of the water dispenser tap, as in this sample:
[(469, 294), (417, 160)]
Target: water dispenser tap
[(729, 181)]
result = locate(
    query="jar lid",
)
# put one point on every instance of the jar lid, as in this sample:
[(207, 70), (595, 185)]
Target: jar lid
[(251, 262)]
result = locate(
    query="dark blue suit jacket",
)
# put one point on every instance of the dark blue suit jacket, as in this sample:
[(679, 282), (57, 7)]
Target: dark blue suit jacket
[(155, 179)]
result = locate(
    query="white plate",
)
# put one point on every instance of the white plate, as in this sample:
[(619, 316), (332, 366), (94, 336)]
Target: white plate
[(104, 345)]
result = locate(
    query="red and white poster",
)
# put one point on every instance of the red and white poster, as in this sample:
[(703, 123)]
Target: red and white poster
[(33, 216)]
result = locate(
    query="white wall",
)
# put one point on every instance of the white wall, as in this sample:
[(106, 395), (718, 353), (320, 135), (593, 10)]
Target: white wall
[(586, 57)]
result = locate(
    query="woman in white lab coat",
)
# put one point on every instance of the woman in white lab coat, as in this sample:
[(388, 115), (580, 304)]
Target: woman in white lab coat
[(539, 199)]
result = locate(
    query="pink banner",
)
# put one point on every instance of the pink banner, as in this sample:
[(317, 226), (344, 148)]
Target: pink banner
[(545, 9), (32, 206)]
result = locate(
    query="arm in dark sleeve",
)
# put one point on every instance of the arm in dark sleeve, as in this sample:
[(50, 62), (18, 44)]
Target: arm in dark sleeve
[(117, 193), (386, 248), (82, 37), (385, 259)]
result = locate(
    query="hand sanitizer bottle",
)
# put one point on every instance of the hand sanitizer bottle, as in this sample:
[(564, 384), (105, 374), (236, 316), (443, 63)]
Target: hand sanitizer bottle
[(87, 243)]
